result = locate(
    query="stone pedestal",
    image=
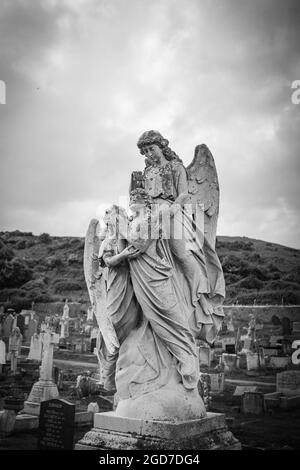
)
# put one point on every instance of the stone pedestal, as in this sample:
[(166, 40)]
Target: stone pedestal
[(41, 391), (112, 432)]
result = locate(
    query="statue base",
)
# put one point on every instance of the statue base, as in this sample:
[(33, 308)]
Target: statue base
[(112, 432), (41, 391)]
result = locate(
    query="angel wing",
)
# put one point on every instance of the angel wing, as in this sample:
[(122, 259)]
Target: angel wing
[(203, 186), (97, 287)]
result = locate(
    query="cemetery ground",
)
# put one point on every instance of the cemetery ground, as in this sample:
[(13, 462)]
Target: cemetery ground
[(274, 429)]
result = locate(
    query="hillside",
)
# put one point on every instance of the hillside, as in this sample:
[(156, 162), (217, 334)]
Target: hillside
[(48, 269)]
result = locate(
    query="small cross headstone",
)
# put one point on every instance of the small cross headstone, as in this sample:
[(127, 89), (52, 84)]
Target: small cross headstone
[(56, 425)]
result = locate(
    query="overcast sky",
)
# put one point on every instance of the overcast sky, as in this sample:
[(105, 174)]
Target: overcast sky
[(84, 79)]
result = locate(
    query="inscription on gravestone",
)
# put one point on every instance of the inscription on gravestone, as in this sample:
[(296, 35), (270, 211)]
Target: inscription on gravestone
[(56, 425)]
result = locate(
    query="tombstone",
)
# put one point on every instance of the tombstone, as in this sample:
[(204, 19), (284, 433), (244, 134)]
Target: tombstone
[(66, 310), (229, 361), (288, 382), (35, 352), (217, 382), (56, 425), (252, 360), (2, 354), (280, 362), (15, 342), (32, 329), (296, 326), (204, 356), (286, 326), (253, 403), (8, 325), (45, 388), (90, 315), (93, 408)]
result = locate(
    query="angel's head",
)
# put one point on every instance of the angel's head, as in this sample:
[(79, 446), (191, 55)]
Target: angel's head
[(156, 148), (139, 201), (115, 219)]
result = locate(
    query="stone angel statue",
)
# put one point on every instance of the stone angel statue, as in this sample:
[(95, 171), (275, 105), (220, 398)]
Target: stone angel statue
[(156, 285)]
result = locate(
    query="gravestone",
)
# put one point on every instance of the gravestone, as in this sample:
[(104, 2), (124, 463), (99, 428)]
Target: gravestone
[(204, 356), (45, 389), (2, 354), (56, 425), (253, 403), (288, 382), (296, 326), (252, 360), (35, 352), (32, 329)]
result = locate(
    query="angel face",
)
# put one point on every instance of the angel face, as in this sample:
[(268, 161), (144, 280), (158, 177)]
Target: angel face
[(115, 216), (154, 154)]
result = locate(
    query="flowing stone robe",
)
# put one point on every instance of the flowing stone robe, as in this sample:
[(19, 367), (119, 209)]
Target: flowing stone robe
[(195, 260)]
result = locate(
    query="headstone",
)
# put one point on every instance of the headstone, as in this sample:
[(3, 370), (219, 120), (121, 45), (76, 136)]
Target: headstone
[(93, 408), (32, 329), (15, 342), (217, 382), (35, 352), (7, 325), (253, 403), (45, 388), (2, 354), (242, 361), (229, 361), (66, 310), (288, 382), (56, 425), (280, 362), (204, 356), (252, 360), (89, 315), (296, 326)]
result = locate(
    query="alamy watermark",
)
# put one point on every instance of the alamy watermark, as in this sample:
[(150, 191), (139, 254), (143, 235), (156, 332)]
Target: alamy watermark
[(2, 92), (296, 94)]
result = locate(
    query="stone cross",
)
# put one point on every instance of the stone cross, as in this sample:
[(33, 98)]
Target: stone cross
[(49, 339), (66, 310)]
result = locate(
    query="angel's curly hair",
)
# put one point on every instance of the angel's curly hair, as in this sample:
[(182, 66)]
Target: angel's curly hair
[(139, 195), (155, 137)]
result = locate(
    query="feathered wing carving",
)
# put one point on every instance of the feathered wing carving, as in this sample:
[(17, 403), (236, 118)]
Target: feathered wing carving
[(97, 287), (204, 189)]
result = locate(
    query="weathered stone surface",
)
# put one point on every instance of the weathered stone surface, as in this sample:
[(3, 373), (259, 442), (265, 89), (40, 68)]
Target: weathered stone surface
[(7, 422), (288, 382), (113, 432), (252, 403)]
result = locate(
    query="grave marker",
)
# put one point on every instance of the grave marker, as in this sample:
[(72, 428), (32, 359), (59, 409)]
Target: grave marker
[(56, 425)]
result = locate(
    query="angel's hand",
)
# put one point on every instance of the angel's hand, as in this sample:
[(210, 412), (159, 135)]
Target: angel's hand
[(130, 252), (183, 198)]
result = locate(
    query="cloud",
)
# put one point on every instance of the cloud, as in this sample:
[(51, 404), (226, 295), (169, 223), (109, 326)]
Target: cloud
[(86, 78)]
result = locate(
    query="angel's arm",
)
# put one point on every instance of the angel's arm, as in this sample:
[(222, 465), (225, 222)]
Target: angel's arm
[(181, 180)]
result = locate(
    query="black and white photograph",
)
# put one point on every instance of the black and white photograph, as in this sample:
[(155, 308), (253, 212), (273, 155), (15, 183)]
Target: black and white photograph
[(149, 229)]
